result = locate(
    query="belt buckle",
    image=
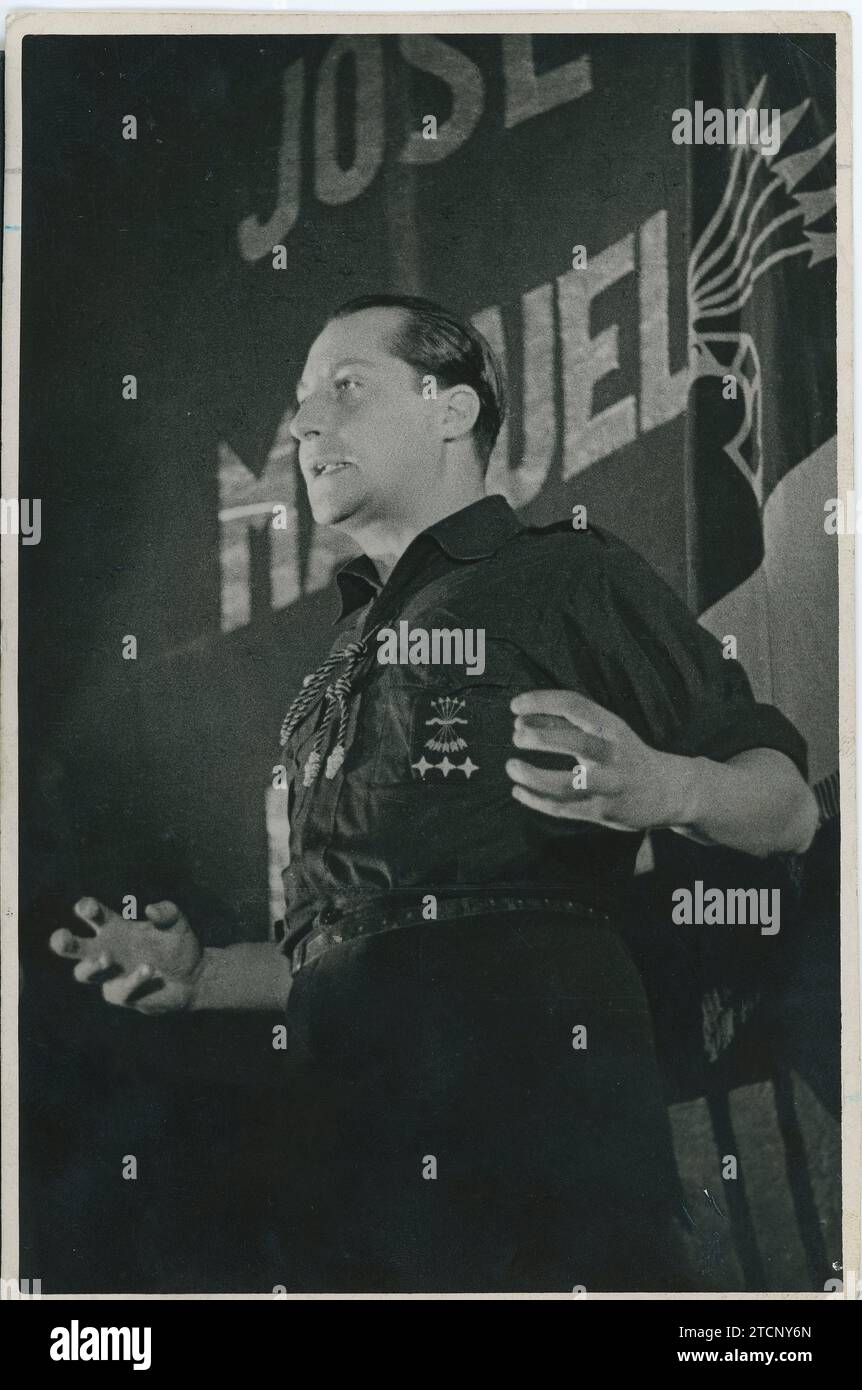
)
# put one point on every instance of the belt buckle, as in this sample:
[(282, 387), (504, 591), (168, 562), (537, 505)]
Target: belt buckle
[(325, 919)]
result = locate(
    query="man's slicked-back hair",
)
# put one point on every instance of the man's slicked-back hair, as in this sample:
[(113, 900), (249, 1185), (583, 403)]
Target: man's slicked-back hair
[(435, 343)]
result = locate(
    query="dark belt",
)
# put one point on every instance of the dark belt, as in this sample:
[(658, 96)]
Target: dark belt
[(333, 926)]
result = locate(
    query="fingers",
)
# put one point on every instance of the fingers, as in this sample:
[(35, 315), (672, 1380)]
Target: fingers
[(591, 809), (65, 943), (96, 964), (163, 914), (124, 991), (543, 733), (120, 991), (568, 704), (538, 779), (552, 805), (560, 785), (90, 970), (92, 962), (91, 911)]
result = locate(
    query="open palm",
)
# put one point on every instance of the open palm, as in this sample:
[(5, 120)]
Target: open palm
[(151, 966)]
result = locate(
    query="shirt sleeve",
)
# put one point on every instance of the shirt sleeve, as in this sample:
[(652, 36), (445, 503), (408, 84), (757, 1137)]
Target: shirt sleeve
[(621, 636)]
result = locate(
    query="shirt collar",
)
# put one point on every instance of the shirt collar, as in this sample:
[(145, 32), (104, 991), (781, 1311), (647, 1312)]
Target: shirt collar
[(475, 532)]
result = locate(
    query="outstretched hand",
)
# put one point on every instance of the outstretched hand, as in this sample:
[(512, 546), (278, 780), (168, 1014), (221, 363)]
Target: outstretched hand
[(151, 966), (619, 782)]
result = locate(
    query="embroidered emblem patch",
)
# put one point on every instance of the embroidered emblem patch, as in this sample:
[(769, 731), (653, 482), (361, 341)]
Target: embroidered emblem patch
[(446, 737)]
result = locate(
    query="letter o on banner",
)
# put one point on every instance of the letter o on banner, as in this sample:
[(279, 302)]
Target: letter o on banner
[(333, 184)]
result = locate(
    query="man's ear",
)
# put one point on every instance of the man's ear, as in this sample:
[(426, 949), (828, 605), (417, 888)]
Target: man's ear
[(461, 406)]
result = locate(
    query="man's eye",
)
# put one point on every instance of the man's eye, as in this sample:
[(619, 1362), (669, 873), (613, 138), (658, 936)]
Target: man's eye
[(346, 383)]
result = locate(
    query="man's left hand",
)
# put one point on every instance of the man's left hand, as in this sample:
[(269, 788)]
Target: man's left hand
[(622, 783)]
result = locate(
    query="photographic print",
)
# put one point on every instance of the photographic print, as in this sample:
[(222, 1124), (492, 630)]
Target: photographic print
[(428, 733)]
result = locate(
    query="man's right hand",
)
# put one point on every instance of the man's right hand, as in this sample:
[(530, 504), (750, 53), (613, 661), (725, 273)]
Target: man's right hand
[(152, 966)]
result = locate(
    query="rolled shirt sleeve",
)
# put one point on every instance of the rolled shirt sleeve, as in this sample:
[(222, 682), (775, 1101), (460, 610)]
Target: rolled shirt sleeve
[(621, 636)]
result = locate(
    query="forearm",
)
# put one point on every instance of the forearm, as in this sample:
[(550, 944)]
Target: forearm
[(756, 802), (253, 975)]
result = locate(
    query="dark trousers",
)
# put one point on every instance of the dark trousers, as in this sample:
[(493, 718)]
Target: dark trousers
[(446, 1134)]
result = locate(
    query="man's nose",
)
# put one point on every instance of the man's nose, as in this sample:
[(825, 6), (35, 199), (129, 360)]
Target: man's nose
[(309, 419), (298, 427)]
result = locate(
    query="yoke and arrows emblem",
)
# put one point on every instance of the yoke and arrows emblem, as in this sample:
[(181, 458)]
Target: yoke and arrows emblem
[(446, 739), (761, 220)]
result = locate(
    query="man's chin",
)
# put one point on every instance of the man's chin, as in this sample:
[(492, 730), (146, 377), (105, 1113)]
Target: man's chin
[(332, 512), (343, 500)]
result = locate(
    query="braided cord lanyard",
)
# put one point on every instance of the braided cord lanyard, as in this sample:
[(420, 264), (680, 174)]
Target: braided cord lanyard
[(317, 687)]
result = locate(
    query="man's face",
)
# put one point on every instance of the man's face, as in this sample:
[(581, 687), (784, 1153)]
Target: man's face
[(369, 448)]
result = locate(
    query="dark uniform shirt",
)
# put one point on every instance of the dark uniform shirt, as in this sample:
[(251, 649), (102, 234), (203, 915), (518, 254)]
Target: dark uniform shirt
[(422, 801)]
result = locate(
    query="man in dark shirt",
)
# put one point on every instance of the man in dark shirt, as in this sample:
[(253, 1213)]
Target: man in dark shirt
[(504, 713)]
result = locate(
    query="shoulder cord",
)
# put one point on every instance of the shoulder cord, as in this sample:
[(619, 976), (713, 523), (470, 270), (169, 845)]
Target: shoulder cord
[(337, 693)]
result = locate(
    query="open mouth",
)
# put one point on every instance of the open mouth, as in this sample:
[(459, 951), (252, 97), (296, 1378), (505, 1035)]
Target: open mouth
[(333, 466)]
